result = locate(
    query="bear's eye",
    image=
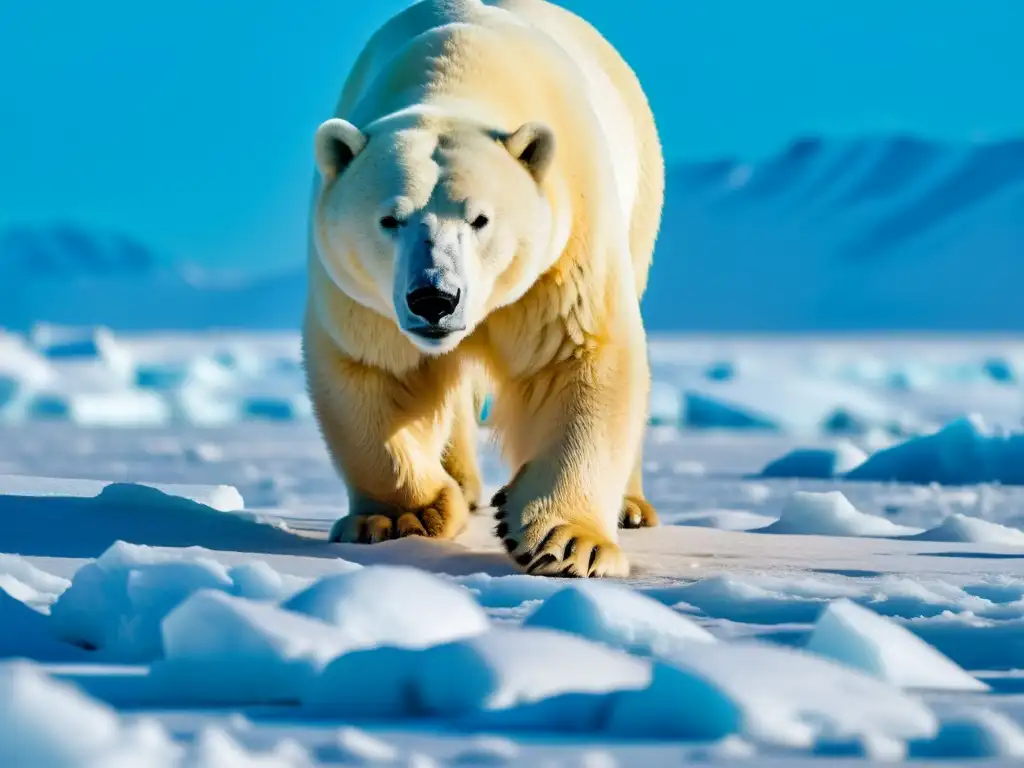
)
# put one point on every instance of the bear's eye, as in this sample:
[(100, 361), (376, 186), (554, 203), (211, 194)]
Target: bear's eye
[(480, 222), (390, 223)]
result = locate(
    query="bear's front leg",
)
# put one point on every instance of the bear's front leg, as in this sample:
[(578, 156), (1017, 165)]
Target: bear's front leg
[(574, 430), (387, 435), (460, 459)]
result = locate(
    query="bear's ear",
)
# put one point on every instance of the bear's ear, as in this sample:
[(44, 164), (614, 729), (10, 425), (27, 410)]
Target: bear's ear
[(336, 144), (533, 145)]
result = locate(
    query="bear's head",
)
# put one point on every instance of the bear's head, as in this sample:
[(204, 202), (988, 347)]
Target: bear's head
[(434, 223)]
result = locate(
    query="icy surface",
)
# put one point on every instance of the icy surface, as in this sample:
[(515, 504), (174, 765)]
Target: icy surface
[(816, 463), (874, 394), (963, 452), (176, 578)]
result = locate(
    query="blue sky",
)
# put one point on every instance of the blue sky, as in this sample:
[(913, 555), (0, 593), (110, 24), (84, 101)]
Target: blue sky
[(188, 124)]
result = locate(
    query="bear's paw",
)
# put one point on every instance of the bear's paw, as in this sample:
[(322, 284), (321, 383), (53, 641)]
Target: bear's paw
[(637, 512), (444, 518), (566, 549)]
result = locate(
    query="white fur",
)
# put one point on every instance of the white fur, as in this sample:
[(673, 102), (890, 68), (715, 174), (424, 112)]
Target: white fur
[(489, 191)]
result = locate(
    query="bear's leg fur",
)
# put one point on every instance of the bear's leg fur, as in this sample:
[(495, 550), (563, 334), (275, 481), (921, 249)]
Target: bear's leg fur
[(637, 512), (460, 460), (574, 430), (386, 435)]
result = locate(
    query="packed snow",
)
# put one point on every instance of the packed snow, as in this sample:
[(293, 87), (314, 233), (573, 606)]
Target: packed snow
[(830, 514), (860, 638), (838, 573)]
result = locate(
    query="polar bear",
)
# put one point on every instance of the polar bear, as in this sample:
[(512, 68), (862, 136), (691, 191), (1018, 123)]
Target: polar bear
[(488, 196)]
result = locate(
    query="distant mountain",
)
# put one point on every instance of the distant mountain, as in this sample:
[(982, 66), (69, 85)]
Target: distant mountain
[(887, 233), (69, 275)]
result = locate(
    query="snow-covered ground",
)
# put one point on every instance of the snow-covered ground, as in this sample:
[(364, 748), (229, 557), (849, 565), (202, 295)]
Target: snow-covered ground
[(840, 571)]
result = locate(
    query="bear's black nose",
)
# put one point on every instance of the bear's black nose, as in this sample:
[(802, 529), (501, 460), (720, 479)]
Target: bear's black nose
[(432, 304)]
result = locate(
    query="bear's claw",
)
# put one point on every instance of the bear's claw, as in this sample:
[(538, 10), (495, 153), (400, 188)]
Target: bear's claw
[(568, 550), (637, 512)]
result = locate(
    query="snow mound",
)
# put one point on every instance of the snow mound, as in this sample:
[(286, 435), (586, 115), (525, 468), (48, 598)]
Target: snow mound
[(221, 649), (973, 734), (617, 616), (44, 722), (766, 694), (816, 463), (830, 514), (155, 515), (509, 678), (392, 605), (220, 498), (964, 452), (117, 603), (223, 498), (972, 530), (860, 638)]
